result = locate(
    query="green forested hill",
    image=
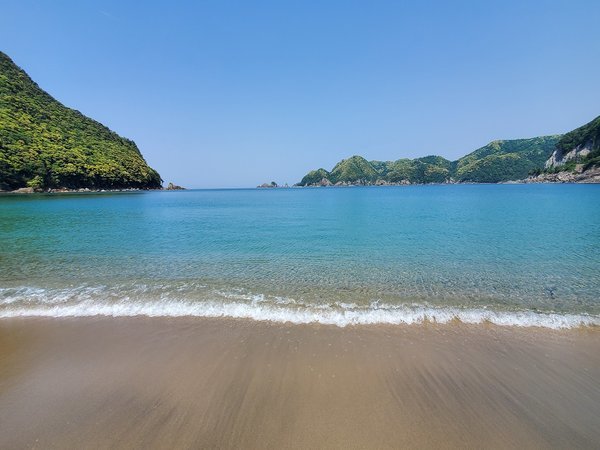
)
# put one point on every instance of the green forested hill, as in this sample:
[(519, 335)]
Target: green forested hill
[(44, 144), (429, 169), (314, 177), (586, 134), (505, 160), (498, 161), (354, 169)]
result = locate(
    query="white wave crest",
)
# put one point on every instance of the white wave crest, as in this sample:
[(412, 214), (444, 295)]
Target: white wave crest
[(286, 310)]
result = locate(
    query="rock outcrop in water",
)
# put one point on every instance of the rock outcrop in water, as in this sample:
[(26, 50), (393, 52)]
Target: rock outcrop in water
[(272, 184), (45, 145), (174, 187)]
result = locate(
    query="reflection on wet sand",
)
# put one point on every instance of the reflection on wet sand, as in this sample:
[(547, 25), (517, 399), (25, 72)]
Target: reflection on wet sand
[(192, 382)]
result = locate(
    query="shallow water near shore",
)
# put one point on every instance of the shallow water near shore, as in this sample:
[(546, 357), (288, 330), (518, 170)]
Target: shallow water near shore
[(526, 255)]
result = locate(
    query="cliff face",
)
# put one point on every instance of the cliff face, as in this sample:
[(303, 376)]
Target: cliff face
[(45, 145), (558, 158), (580, 146)]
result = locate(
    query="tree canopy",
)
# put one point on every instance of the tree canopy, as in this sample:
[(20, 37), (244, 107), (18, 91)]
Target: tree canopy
[(44, 144)]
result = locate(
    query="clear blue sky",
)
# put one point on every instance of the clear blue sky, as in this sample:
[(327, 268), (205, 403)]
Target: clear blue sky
[(234, 93)]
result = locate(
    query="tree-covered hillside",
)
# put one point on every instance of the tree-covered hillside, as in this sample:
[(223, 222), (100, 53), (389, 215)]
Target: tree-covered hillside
[(44, 144), (314, 177), (498, 161), (353, 170), (430, 169), (586, 134), (505, 160)]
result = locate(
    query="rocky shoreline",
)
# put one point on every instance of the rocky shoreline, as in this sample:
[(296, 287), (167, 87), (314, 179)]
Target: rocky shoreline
[(30, 190), (326, 183), (590, 176)]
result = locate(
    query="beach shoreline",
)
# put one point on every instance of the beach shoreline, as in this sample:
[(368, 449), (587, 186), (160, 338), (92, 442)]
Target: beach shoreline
[(234, 383)]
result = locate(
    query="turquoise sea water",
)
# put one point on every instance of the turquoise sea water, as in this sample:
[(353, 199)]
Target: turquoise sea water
[(509, 254)]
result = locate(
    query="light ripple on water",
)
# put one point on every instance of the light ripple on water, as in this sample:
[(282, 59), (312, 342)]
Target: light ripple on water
[(503, 254)]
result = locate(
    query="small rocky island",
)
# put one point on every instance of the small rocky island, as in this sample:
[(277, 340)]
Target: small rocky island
[(271, 185), (174, 187)]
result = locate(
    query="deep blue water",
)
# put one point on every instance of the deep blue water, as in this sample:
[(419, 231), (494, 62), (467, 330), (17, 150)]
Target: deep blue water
[(523, 254)]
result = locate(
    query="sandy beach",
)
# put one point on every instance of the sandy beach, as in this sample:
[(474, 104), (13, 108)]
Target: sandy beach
[(220, 383)]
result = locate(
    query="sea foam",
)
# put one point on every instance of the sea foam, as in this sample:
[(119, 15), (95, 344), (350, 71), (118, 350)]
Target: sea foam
[(95, 301)]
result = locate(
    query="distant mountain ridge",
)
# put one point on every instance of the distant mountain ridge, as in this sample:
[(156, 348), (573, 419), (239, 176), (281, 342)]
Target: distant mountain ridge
[(496, 162), (533, 159), (45, 145)]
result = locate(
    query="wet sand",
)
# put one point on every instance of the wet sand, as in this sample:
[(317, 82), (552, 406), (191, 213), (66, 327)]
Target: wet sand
[(218, 383)]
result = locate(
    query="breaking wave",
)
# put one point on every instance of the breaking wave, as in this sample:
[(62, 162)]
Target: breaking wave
[(97, 301)]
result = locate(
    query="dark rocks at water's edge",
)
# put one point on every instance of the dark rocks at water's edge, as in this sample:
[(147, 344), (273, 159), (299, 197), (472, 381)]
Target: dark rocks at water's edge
[(60, 190), (174, 187), (578, 175), (30, 190), (64, 190), (326, 183)]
